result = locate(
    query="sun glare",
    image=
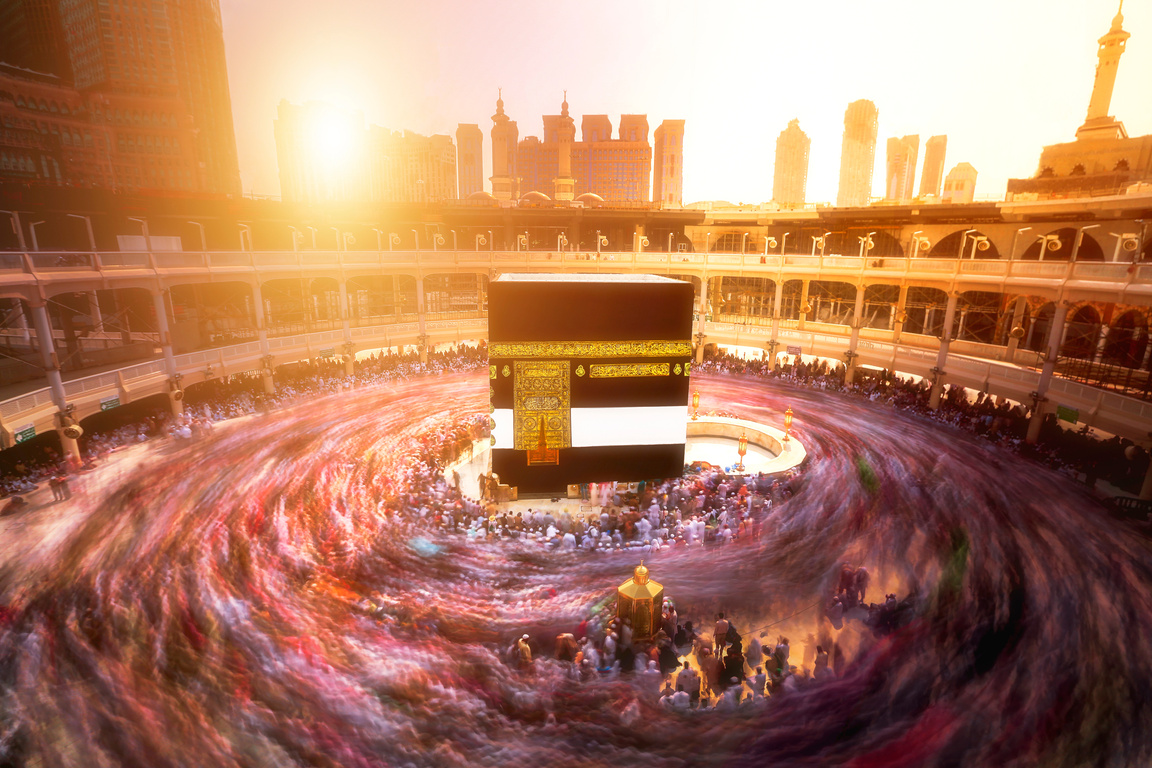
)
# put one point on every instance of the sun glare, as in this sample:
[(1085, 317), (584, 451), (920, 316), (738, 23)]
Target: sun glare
[(332, 138)]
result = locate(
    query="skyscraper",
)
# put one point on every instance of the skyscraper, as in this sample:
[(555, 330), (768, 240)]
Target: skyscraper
[(153, 68), (900, 180), (858, 153), (31, 37), (668, 163), (790, 180), (933, 174), (469, 159)]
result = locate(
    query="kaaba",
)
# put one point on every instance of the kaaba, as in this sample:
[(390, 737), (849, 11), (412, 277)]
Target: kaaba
[(589, 378)]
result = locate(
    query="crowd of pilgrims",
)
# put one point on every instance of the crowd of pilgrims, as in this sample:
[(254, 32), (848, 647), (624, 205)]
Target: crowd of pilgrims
[(1077, 453)]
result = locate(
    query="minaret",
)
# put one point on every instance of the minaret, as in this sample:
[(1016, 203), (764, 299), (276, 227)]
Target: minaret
[(504, 135), (1099, 124), (565, 185)]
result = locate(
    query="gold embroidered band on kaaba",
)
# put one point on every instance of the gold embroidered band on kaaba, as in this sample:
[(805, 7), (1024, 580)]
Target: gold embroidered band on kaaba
[(570, 349), (627, 370)]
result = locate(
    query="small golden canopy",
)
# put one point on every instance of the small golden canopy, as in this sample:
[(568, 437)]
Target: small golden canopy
[(640, 599), (640, 575)]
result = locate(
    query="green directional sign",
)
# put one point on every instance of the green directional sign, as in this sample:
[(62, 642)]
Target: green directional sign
[(1064, 413), (108, 403), (26, 432)]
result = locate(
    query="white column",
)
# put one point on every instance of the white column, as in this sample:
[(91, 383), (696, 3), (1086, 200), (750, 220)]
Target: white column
[(776, 308), (421, 320), (854, 337), (94, 311), (22, 322), (901, 304), (1017, 317), (346, 324), (158, 301), (55, 383), (942, 355), (262, 335), (703, 311), (1055, 340)]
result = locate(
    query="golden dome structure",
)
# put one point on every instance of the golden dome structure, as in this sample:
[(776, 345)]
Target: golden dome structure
[(640, 599)]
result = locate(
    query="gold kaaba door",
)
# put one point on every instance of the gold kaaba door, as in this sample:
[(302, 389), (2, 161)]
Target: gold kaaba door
[(542, 409)]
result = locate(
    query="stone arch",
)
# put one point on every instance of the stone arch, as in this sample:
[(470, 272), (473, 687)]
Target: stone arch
[(1036, 334), (729, 242), (791, 293), (959, 244), (832, 302), (379, 299), (746, 297), (925, 308), (212, 315), (1127, 340), (455, 294), (1081, 333), (880, 303), (1067, 239), (979, 316)]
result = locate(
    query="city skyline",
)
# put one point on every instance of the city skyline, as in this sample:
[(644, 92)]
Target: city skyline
[(402, 71)]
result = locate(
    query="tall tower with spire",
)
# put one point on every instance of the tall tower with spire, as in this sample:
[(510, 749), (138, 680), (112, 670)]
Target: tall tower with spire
[(565, 184), (504, 137), (1099, 124)]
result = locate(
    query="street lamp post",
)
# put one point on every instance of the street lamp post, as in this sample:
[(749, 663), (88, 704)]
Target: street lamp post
[(1080, 240), (297, 238), (963, 242), (92, 237), (15, 216), (977, 241), (245, 229), (823, 243), (313, 231), (1012, 253), (491, 242), (144, 229), (561, 241), (454, 248), (743, 240), (32, 228), (1049, 243), (379, 242), (707, 237), (416, 235), (670, 236), (197, 224), (784, 242), (480, 241), (339, 236), (866, 243), (916, 242)]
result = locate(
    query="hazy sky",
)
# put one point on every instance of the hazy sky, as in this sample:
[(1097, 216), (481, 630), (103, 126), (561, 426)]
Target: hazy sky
[(1000, 77)]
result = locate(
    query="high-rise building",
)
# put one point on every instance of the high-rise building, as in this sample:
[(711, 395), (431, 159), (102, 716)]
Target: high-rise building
[(933, 174), (668, 163), (858, 154), (960, 186), (154, 80), (900, 179), (469, 159), (32, 38), (202, 84), (328, 156), (790, 180), (615, 169)]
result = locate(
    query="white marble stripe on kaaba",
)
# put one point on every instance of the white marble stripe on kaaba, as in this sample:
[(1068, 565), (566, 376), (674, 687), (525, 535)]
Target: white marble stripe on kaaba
[(592, 427)]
